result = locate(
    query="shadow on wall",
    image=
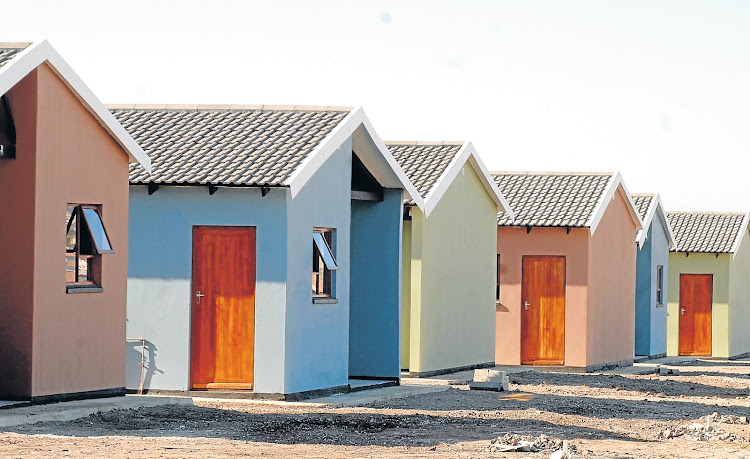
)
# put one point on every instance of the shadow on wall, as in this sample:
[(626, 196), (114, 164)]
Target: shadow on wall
[(134, 357)]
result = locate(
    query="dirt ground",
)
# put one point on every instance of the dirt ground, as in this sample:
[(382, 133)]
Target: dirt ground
[(599, 415)]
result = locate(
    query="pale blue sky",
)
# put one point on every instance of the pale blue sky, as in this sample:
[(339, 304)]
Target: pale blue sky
[(658, 90)]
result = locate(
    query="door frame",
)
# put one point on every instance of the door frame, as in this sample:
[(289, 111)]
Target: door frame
[(679, 315), (190, 301), (565, 307)]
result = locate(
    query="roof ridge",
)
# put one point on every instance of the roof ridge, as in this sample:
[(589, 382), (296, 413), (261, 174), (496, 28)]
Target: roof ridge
[(559, 173), (704, 212), (456, 143), (16, 44), (645, 195), (308, 108)]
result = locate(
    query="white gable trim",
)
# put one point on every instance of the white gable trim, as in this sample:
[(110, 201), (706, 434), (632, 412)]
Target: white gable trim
[(35, 55), (606, 198), (655, 208), (467, 152), (740, 235), (333, 141)]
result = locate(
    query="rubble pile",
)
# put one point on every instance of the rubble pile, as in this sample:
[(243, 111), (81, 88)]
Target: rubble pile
[(527, 443), (706, 431)]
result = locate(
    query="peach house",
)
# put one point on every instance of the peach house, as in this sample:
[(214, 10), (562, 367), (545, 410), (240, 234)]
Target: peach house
[(566, 271), (63, 156)]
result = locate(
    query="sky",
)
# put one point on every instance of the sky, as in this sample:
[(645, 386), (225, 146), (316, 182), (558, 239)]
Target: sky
[(658, 90)]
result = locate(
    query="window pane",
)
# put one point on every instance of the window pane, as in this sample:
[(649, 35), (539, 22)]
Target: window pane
[(84, 269), (325, 251), (98, 234), (70, 242), (70, 267)]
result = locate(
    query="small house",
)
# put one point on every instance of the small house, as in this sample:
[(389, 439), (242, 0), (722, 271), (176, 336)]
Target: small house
[(63, 171), (566, 270), (265, 250), (709, 294), (448, 266)]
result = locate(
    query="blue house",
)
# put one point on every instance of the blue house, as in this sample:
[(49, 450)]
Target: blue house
[(652, 265), (264, 250)]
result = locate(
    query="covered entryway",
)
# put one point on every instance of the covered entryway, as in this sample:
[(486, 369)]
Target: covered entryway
[(223, 308), (696, 299), (543, 310)]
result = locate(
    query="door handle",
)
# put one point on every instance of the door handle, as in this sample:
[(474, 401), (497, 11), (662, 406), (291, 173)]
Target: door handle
[(682, 311), (526, 305), (199, 295)]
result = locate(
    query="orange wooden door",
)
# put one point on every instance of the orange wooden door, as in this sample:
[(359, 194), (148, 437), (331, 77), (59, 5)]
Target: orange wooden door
[(543, 310), (222, 337), (696, 301)]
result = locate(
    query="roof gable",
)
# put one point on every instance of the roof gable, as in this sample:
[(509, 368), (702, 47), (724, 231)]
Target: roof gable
[(648, 207), (18, 60), (432, 167), (708, 232)]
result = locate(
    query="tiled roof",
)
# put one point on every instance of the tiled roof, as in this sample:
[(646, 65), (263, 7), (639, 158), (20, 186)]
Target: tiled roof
[(9, 50), (642, 202), (225, 145), (424, 162), (709, 232), (550, 198)]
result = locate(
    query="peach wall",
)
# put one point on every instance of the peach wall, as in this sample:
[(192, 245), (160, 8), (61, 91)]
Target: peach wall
[(17, 244), (611, 317), (513, 244), (79, 339)]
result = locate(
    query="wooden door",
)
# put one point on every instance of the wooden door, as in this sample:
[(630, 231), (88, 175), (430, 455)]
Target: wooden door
[(543, 310), (222, 334), (696, 300)]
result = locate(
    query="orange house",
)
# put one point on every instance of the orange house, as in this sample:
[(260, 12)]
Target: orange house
[(566, 271), (64, 173)]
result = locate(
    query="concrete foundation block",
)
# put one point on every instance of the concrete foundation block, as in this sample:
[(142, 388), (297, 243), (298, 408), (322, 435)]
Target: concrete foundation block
[(490, 380)]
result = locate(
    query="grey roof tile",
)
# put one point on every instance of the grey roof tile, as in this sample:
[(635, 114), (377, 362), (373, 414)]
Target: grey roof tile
[(550, 198), (707, 232), (424, 162), (9, 50), (642, 203), (225, 145)]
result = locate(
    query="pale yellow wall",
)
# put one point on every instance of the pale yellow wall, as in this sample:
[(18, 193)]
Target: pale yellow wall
[(700, 263), (405, 293), (78, 339), (739, 299), (453, 278), (611, 286)]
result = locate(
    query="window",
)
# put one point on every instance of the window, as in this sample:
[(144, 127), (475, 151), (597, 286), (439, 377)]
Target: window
[(324, 263), (659, 283), (86, 240), (497, 280)]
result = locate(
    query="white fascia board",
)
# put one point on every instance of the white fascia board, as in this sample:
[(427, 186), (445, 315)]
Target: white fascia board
[(38, 53), (662, 213), (740, 235), (656, 208), (333, 142), (467, 153), (606, 198)]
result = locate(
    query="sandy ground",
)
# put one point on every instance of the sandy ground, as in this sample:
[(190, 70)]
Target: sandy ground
[(599, 415)]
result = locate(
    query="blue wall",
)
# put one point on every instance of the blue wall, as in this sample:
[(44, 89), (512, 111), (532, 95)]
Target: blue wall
[(375, 286), (651, 318), (159, 272)]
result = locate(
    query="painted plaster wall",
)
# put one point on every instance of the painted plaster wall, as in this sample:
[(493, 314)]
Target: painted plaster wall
[(700, 263), (456, 295), (317, 335), (644, 300), (17, 182), (78, 338), (739, 300), (512, 245), (406, 294), (611, 292), (159, 293), (375, 293)]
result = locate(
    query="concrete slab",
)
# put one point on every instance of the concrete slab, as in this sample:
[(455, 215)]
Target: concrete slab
[(376, 395), (69, 411), (13, 403), (356, 385), (649, 366)]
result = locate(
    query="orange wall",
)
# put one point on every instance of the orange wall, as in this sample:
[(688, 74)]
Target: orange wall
[(17, 244), (611, 318), (513, 244), (78, 339)]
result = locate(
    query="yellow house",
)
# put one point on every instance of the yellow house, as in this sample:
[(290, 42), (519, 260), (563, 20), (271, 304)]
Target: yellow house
[(448, 261), (709, 294)]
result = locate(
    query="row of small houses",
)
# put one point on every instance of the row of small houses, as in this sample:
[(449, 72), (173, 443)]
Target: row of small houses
[(288, 251)]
